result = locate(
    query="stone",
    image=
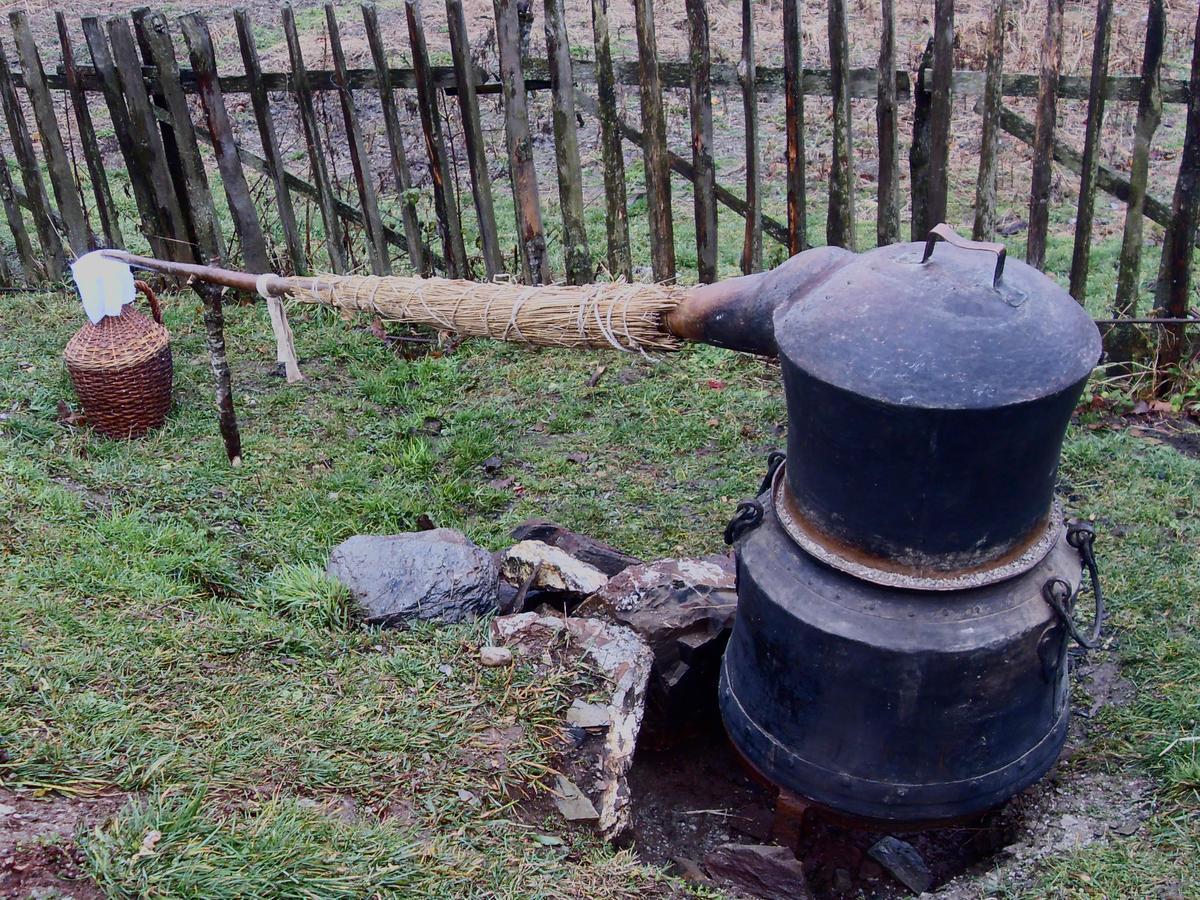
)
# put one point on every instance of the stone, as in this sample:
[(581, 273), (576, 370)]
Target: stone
[(759, 870), (588, 715), (493, 657), (556, 569), (438, 574), (606, 558), (572, 802), (624, 661), (902, 862), (684, 610)]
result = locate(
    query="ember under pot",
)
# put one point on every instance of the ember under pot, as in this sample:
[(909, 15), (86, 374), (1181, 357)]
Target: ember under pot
[(905, 578)]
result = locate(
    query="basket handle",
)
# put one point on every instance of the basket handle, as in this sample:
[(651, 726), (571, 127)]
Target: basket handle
[(155, 308)]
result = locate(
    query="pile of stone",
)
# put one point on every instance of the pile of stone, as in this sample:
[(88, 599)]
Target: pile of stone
[(654, 631)]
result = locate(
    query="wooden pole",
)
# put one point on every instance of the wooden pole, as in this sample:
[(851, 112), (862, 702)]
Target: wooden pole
[(391, 123), (1120, 341), (612, 156), (31, 268), (657, 159), (57, 167), (535, 264), (793, 76), (1175, 269), (700, 114), (920, 150), (276, 169), (109, 221), (752, 240), (214, 327), (887, 216), (985, 188), (1043, 146), (1081, 257), (839, 223), (940, 111), (566, 145)]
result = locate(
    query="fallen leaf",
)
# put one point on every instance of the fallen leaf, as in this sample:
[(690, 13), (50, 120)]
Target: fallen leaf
[(149, 842)]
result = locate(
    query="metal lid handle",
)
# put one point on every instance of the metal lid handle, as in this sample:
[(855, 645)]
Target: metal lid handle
[(950, 236)]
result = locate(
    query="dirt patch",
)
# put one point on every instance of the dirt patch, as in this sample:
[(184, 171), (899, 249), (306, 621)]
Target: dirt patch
[(38, 853)]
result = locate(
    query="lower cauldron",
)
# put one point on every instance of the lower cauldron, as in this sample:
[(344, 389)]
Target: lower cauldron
[(901, 706)]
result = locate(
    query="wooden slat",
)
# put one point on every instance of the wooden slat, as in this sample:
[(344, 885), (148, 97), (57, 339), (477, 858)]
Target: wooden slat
[(700, 111), (57, 166), (887, 214), (657, 156), (391, 123), (147, 140), (1082, 254), (444, 200), (6, 273), (616, 210), (752, 238), (334, 236), (54, 259), (261, 105), (984, 227), (940, 110), (919, 151), (1120, 341), (770, 226), (203, 227), (139, 176), (793, 67), (535, 264), (30, 264), (109, 220), (360, 160), (1047, 114), (468, 104), (1175, 269), (166, 127), (566, 146), (220, 129), (839, 223)]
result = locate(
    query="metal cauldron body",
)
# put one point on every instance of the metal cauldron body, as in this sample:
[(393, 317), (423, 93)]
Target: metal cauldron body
[(893, 705)]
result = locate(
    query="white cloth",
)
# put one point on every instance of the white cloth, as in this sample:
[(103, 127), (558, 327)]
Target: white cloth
[(105, 284)]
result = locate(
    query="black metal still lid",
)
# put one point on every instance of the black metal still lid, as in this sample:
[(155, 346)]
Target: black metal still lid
[(953, 329)]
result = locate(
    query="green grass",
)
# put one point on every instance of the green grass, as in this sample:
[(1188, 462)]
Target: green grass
[(166, 630)]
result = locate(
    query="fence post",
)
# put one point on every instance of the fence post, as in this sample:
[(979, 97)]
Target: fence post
[(654, 125), (984, 228), (535, 264), (360, 162), (109, 222), (54, 259), (16, 224), (940, 111), (1097, 94), (1121, 340), (887, 219), (918, 151), (1175, 268), (449, 226), (752, 242), (616, 212), (566, 145), (700, 114), (481, 183), (1043, 144), (59, 170), (839, 225), (793, 89)]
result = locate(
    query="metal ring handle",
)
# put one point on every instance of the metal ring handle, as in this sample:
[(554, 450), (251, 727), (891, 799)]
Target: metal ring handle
[(950, 236)]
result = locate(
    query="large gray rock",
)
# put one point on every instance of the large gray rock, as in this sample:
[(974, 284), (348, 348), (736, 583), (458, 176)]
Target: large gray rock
[(397, 578)]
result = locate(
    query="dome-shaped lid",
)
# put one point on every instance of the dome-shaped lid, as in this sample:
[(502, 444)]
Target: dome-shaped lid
[(940, 327)]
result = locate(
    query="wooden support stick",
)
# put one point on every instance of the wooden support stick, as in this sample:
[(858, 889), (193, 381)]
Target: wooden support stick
[(214, 326), (940, 111), (919, 151), (16, 225), (1082, 254)]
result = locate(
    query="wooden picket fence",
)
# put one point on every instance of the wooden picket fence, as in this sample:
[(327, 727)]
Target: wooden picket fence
[(147, 92)]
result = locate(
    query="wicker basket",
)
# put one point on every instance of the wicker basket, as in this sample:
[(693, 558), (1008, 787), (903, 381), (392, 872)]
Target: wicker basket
[(121, 369)]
